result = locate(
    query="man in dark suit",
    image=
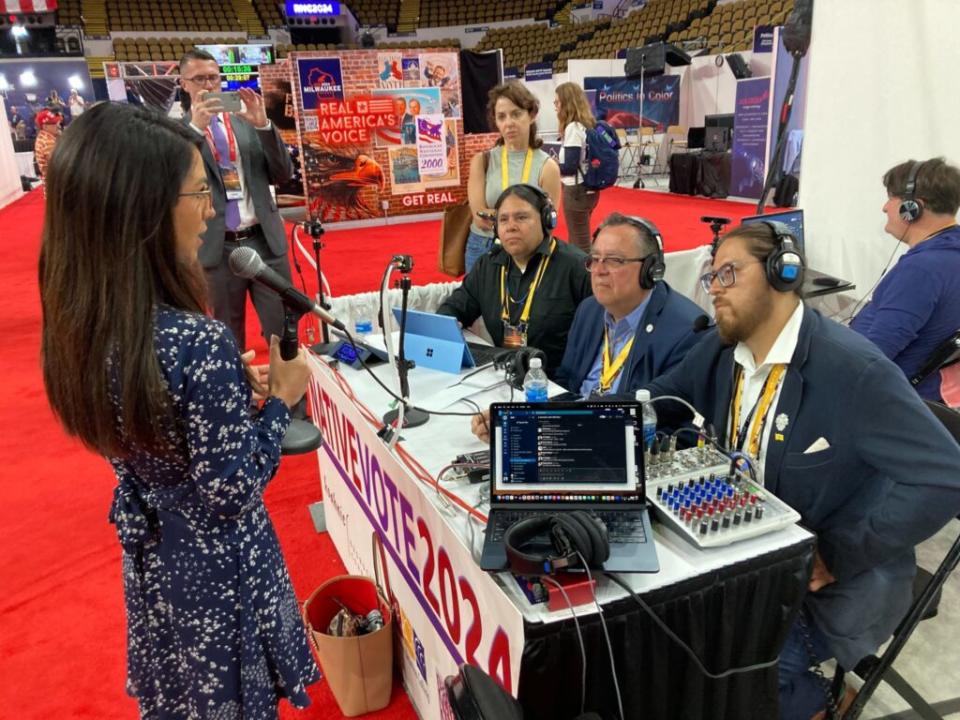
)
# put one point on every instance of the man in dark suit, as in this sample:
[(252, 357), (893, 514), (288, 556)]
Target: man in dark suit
[(635, 326), (243, 154), (837, 432)]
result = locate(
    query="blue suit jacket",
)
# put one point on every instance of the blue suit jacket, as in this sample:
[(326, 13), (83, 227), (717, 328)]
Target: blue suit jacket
[(888, 480), (670, 316)]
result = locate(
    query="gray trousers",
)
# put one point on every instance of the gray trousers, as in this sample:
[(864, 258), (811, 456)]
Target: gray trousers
[(228, 293), (578, 205)]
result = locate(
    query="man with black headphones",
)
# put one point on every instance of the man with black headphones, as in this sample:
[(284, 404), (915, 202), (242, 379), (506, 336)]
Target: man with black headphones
[(916, 305), (836, 431), (529, 286), (635, 327)]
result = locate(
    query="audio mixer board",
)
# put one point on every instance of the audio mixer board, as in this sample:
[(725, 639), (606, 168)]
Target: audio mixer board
[(693, 493)]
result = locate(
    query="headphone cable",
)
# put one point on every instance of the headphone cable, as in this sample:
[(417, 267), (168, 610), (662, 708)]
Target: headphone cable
[(682, 645), (606, 635), (879, 278), (583, 652)]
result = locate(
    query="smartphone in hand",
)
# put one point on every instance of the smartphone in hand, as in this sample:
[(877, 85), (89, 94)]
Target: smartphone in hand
[(230, 100)]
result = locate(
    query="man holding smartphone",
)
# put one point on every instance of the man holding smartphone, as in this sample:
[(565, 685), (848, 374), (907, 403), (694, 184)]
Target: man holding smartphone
[(243, 155)]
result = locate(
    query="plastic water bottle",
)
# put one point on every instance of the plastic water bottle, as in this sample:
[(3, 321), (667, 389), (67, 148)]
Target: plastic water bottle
[(649, 419), (535, 382), (362, 328)]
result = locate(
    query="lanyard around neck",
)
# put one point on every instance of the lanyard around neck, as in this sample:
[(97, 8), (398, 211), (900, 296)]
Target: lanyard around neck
[(506, 300), (505, 170), (758, 414), (228, 129), (610, 370)]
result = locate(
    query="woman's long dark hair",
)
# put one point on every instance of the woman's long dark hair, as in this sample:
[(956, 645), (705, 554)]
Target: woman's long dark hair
[(108, 258)]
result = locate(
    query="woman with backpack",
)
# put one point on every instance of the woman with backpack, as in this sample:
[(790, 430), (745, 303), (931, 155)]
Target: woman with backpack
[(573, 112), (516, 158)]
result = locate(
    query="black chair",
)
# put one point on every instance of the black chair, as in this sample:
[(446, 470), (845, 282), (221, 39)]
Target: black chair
[(927, 588), (946, 353)]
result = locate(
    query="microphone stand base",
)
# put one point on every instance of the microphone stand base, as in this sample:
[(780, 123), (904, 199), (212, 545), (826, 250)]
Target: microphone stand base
[(412, 417)]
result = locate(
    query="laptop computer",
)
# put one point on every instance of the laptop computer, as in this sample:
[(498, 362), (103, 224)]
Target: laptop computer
[(557, 457), (791, 218), (436, 342)]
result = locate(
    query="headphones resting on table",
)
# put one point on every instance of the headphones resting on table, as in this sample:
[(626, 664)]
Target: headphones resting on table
[(572, 535), (653, 268), (536, 197), (515, 364)]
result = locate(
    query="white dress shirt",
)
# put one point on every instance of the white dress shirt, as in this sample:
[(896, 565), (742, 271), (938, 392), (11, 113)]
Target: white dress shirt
[(754, 376)]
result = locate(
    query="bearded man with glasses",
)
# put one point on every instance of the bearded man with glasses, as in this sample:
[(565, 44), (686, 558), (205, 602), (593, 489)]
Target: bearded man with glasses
[(834, 429)]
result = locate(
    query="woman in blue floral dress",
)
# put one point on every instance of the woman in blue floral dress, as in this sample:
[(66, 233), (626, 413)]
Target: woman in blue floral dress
[(137, 371)]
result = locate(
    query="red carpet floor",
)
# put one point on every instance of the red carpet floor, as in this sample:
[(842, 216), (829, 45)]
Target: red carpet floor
[(61, 612)]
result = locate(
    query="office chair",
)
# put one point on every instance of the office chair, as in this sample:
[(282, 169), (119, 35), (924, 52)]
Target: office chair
[(927, 588)]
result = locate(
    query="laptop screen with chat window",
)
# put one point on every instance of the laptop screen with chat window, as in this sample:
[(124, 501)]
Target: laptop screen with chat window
[(566, 452)]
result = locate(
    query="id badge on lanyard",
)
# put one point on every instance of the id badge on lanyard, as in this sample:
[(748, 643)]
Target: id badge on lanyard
[(231, 183), (514, 336)]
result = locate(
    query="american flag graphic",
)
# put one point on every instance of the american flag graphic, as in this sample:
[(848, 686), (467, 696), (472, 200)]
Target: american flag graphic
[(429, 132)]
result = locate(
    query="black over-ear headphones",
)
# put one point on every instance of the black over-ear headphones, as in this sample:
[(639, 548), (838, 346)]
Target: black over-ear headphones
[(515, 364), (536, 197), (910, 207), (654, 267), (785, 264), (572, 534)]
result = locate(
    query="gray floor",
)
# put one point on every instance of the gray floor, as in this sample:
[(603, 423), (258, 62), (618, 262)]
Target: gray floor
[(930, 661)]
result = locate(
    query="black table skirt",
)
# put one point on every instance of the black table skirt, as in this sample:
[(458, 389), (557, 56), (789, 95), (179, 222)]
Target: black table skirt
[(734, 617)]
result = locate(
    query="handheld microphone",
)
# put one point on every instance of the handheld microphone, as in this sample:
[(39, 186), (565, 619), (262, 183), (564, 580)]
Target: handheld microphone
[(796, 30), (246, 263), (701, 323)]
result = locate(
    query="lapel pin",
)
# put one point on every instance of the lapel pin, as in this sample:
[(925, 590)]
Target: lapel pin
[(650, 328), (782, 421)]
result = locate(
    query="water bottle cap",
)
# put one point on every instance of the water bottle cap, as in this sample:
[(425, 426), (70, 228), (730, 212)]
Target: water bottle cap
[(535, 363), (643, 395)]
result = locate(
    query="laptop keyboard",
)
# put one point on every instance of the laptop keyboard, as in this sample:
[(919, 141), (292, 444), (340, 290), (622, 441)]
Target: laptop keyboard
[(622, 527), (483, 354)]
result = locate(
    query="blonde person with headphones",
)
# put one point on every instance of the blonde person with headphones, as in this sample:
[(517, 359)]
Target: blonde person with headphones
[(515, 158), (573, 112)]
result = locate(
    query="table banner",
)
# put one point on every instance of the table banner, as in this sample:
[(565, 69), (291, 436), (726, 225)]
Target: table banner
[(450, 611)]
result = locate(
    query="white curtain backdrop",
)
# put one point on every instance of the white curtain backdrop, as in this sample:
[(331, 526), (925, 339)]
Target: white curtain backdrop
[(882, 89)]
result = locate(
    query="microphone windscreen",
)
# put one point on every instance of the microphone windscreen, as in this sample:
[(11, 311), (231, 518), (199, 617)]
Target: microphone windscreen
[(244, 262), (701, 323), (796, 30)]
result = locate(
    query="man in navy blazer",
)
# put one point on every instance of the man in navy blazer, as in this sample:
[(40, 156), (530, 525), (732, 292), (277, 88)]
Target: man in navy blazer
[(837, 432), (634, 327), (243, 154)]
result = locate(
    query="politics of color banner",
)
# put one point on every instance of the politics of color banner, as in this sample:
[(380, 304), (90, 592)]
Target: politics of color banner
[(618, 101), (748, 169), (538, 71)]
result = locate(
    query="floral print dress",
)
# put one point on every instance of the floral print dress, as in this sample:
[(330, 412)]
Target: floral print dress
[(213, 627)]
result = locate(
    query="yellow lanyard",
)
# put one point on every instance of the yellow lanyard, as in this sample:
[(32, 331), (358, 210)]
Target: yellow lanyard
[(505, 298), (505, 170), (610, 370), (758, 415)]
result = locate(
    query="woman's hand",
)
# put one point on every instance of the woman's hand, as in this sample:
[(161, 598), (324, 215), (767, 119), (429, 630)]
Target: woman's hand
[(257, 375), (288, 378)]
